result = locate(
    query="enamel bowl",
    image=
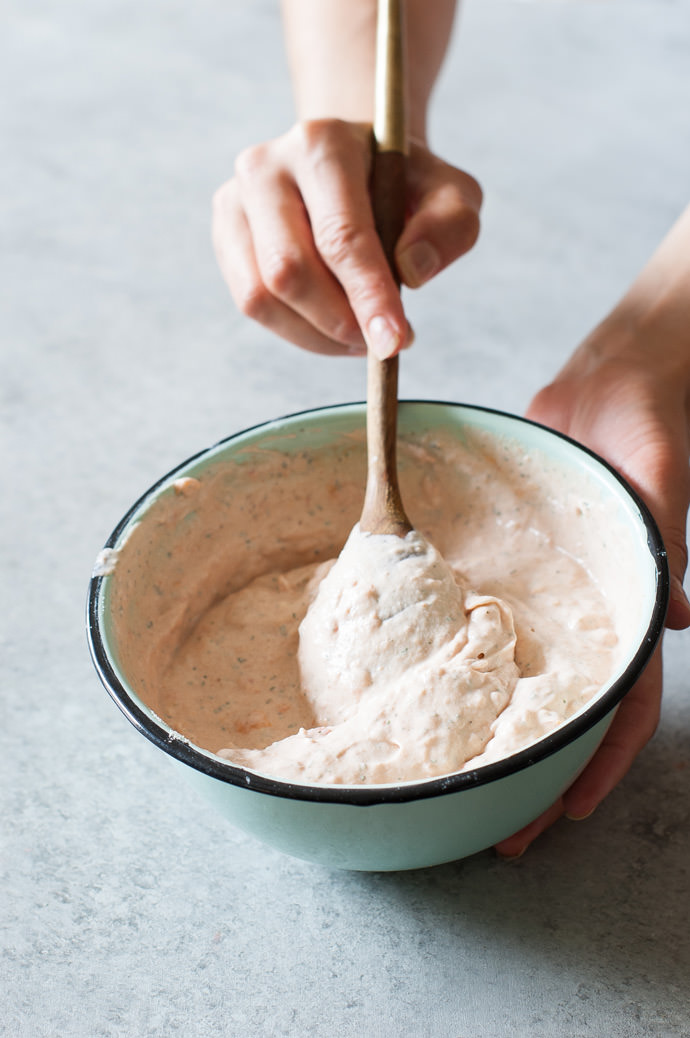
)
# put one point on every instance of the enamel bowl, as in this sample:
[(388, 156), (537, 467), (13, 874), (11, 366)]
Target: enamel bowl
[(376, 827)]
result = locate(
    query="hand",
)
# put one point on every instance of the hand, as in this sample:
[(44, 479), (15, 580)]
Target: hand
[(626, 398), (295, 238)]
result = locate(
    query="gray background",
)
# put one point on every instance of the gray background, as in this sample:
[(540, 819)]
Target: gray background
[(128, 907)]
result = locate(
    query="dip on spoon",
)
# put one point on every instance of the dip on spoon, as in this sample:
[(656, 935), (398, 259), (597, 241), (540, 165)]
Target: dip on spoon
[(390, 602)]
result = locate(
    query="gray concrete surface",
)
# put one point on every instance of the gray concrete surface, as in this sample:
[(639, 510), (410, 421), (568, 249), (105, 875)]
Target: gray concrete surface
[(128, 908)]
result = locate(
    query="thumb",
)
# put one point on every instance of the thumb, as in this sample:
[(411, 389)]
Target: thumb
[(653, 458), (667, 496), (673, 536), (444, 220)]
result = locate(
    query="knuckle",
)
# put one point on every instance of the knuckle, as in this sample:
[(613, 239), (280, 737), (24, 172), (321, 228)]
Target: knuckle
[(250, 161), (338, 240), (464, 184), (313, 132), (283, 274), (469, 229), (464, 214), (254, 301), (319, 135), (329, 145), (473, 190)]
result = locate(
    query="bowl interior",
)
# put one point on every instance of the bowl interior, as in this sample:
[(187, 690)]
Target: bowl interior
[(185, 544)]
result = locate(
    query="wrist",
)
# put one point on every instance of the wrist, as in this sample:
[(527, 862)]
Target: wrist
[(651, 324), (331, 51), (649, 332)]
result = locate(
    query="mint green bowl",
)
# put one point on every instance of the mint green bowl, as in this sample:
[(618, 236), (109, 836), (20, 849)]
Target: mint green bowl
[(413, 824)]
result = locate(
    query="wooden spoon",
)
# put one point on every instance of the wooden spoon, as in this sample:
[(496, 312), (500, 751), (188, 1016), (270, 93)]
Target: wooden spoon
[(383, 510)]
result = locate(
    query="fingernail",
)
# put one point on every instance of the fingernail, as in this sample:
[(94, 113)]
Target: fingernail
[(512, 857), (418, 263), (382, 338), (580, 818)]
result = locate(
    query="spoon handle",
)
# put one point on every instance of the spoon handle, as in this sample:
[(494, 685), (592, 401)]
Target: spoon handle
[(383, 510)]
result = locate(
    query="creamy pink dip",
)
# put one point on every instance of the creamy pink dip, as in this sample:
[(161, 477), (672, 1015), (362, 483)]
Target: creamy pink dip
[(402, 668)]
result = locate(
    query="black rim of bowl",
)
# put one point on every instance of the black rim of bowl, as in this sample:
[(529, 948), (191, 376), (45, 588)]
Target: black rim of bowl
[(216, 767)]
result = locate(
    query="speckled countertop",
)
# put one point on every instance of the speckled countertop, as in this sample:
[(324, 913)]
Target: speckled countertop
[(128, 907)]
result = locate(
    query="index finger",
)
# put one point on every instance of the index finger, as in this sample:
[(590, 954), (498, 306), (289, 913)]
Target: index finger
[(333, 178)]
